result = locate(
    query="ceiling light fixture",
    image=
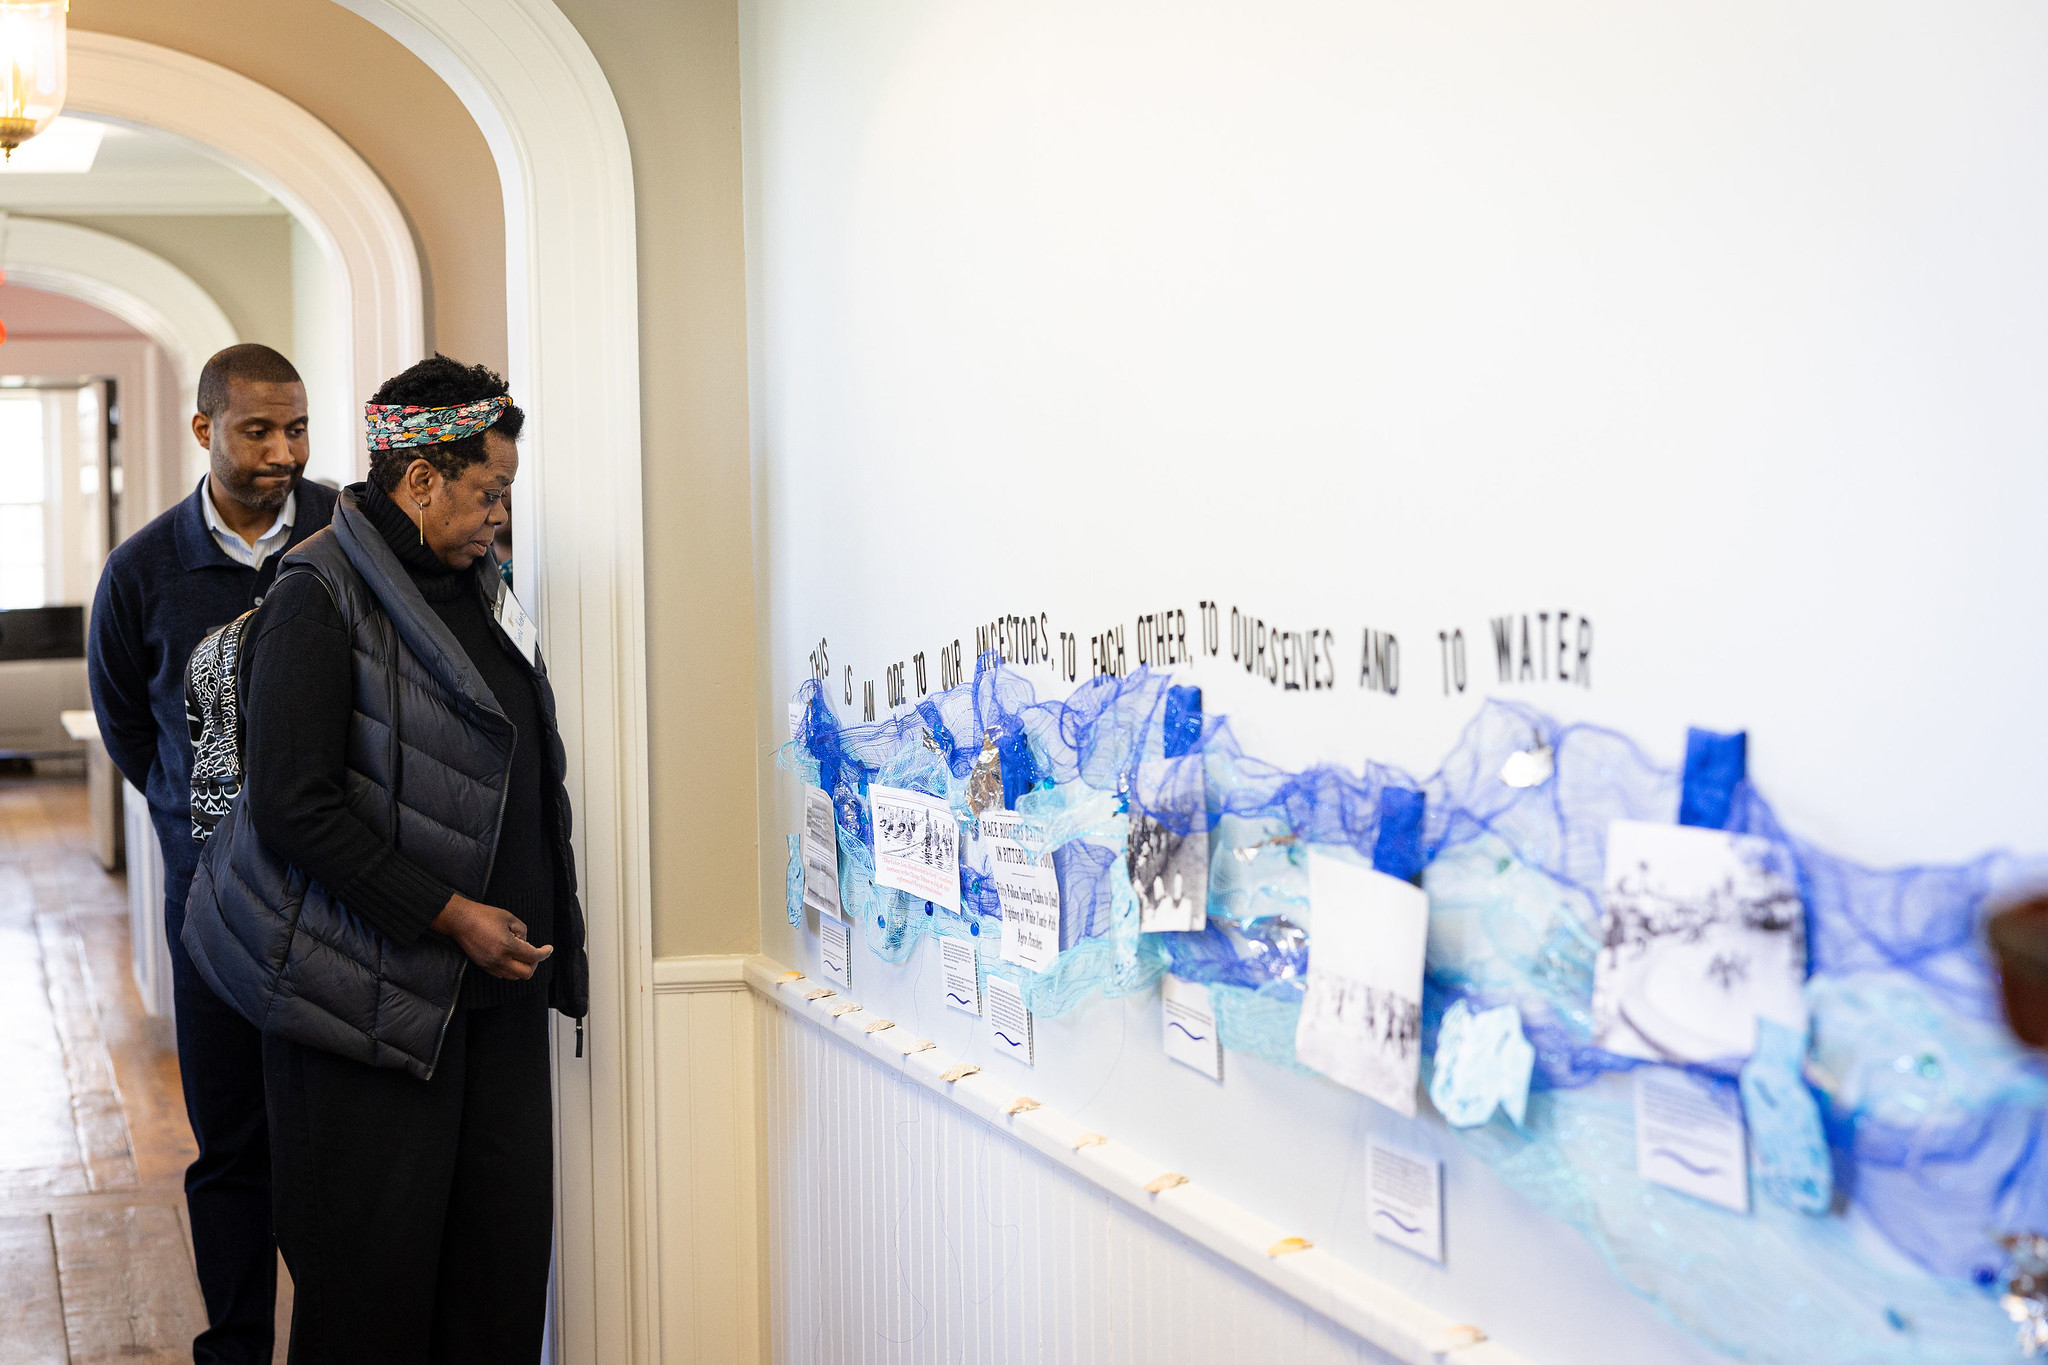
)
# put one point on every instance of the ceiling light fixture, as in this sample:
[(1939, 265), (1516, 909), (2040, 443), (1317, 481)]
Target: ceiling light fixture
[(32, 74)]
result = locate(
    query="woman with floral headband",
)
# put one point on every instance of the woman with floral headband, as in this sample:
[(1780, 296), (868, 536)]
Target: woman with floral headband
[(401, 757)]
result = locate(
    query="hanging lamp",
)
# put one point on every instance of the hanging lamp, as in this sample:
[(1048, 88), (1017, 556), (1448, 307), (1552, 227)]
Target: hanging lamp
[(32, 68)]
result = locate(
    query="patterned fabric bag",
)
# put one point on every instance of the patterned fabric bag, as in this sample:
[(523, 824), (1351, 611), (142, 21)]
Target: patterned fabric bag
[(214, 719)]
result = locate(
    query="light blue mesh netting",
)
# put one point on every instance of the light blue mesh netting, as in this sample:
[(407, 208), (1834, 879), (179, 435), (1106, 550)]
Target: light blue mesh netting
[(1933, 1119)]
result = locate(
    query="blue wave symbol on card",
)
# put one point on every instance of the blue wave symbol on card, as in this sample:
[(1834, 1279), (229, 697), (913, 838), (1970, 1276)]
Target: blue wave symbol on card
[(961, 998), (832, 966), (1696, 1170), (1008, 1039), (1197, 1037), (1382, 1213)]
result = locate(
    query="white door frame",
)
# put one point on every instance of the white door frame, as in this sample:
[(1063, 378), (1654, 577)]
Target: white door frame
[(554, 129), (307, 167), (149, 294)]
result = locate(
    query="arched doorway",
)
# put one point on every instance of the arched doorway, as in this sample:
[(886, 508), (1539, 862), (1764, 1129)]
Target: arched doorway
[(529, 80), (137, 286), (307, 167)]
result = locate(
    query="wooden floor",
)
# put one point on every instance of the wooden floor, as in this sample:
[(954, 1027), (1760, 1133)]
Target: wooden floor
[(95, 1249)]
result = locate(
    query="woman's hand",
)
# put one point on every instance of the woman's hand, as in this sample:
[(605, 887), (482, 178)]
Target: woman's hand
[(493, 939)]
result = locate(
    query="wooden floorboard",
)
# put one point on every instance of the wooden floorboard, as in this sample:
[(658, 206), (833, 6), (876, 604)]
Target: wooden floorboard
[(95, 1247), (32, 1307), (129, 1290)]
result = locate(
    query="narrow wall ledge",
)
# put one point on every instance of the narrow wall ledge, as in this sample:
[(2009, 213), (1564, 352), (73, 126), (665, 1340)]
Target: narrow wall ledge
[(1372, 1309)]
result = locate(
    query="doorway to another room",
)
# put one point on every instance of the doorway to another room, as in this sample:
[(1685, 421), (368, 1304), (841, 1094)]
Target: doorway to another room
[(125, 269)]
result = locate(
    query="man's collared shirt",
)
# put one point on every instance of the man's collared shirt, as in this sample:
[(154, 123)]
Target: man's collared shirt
[(240, 550)]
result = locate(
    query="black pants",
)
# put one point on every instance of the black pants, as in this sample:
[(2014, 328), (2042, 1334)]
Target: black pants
[(227, 1190), (417, 1217)]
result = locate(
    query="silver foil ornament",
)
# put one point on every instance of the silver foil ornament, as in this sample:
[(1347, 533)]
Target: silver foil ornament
[(985, 778), (2026, 1288), (1529, 767)]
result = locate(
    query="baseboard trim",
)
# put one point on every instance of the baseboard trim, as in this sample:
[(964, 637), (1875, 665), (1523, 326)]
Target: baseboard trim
[(679, 975), (1371, 1308)]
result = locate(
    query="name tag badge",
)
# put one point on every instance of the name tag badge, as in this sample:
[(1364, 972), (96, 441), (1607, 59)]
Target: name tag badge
[(519, 627)]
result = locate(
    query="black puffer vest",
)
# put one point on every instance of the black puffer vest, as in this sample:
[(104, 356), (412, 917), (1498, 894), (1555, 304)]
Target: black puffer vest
[(429, 754)]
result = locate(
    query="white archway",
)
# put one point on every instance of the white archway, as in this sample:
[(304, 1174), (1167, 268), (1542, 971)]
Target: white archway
[(139, 287), (554, 129), (307, 167)]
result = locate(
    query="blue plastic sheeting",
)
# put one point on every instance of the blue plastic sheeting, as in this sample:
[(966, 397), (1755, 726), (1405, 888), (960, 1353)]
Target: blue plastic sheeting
[(1932, 1118)]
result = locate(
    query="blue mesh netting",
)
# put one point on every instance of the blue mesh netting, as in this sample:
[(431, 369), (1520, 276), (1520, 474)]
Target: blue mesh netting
[(1933, 1118)]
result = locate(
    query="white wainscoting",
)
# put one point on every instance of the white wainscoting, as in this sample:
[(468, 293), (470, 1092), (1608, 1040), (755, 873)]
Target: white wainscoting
[(914, 1220), (825, 1197), (708, 1167), (150, 950)]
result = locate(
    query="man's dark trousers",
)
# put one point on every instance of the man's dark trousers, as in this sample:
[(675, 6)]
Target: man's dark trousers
[(227, 1190), (163, 588)]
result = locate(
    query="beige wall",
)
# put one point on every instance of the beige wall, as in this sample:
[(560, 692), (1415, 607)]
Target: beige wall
[(243, 260), (386, 104), (674, 68)]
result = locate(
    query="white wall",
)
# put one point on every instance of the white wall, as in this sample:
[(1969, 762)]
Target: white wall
[(320, 352), (1720, 325)]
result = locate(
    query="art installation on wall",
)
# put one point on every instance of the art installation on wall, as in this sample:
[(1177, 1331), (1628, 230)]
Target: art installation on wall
[(1772, 1087)]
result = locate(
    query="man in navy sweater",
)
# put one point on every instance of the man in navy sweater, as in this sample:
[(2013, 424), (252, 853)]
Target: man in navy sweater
[(200, 565)]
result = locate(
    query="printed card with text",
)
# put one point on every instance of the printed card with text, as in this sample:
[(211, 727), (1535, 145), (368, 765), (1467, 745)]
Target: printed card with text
[(1189, 1026), (1690, 1136), (1009, 1022), (1405, 1194), (1027, 889), (1361, 1018), (959, 975), (917, 845), (821, 855), (835, 950), (519, 628)]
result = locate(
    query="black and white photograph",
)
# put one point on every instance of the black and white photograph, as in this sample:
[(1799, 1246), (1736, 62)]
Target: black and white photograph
[(1170, 870), (917, 845), (1702, 934), (821, 854), (1361, 1019)]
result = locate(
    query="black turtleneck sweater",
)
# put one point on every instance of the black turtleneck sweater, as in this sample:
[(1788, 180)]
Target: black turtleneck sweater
[(297, 696)]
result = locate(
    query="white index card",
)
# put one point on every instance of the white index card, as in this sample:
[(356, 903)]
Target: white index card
[(821, 855), (796, 719), (1009, 1022), (1189, 1026), (835, 950), (959, 975), (1689, 1136), (1405, 1194)]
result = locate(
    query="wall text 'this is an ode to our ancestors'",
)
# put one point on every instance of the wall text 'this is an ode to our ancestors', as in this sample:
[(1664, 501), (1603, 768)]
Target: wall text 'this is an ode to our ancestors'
[(1528, 647)]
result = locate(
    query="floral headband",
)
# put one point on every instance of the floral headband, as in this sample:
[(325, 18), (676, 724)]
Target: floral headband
[(392, 426)]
